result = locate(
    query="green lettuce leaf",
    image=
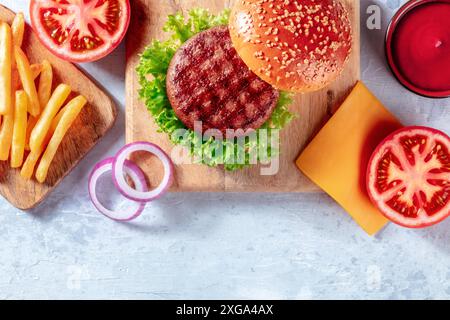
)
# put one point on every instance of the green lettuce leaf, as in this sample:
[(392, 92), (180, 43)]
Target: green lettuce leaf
[(152, 71)]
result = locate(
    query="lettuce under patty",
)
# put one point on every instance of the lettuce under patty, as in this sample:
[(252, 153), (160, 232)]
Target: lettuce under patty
[(152, 71)]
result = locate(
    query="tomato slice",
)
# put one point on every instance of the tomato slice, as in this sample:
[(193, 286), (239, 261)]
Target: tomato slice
[(80, 30), (408, 177)]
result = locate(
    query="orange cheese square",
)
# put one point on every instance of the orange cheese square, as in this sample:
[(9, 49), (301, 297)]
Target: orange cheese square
[(336, 160)]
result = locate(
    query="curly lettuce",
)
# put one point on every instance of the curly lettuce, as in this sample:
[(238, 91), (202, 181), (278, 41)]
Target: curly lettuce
[(152, 71)]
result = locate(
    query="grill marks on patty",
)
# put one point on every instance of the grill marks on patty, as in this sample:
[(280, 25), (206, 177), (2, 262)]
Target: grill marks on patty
[(207, 81)]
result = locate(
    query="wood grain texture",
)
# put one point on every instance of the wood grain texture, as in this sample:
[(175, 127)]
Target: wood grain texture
[(94, 121), (313, 110)]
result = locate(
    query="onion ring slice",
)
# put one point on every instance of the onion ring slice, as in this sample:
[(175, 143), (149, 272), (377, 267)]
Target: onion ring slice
[(119, 177), (132, 171)]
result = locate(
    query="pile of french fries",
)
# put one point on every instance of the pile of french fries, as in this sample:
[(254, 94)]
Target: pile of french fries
[(33, 121)]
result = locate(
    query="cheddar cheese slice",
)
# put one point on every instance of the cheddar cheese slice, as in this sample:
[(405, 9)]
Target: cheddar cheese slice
[(336, 160)]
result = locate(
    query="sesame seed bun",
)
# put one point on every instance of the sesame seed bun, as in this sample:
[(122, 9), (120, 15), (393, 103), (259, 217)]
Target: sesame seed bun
[(295, 45)]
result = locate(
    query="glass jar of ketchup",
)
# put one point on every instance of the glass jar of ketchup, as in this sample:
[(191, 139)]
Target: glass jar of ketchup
[(418, 47)]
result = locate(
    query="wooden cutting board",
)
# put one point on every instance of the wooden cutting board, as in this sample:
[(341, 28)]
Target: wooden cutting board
[(313, 110), (94, 121)]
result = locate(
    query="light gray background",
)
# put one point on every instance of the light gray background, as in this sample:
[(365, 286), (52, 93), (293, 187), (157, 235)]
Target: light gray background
[(287, 246)]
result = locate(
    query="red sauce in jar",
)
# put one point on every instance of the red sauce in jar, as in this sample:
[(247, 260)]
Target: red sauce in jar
[(420, 48)]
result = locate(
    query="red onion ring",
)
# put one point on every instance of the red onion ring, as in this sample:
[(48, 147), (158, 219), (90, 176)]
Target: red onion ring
[(119, 165), (135, 174)]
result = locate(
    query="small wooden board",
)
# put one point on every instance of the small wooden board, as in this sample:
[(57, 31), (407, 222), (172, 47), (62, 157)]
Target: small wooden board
[(313, 110), (95, 120)]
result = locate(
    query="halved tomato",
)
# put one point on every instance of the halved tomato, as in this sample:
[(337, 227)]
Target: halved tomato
[(408, 177), (80, 30)]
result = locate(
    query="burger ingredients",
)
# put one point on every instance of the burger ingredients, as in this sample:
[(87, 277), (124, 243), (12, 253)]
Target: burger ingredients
[(133, 172), (80, 31), (122, 169), (298, 46), (208, 82), (119, 177), (408, 177), (417, 47), (152, 71), (337, 158)]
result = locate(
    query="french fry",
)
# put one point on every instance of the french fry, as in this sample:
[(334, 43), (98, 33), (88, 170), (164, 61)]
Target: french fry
[(33, 157), (45, 120), (36, 70), (20, 129), (15, 80), (26, 77), (33, 120), (28, 166), (45, 83), (72, 111), (32, 123), (5, 68), (30, 126), (6, 133), (18, 28), (57, 118)]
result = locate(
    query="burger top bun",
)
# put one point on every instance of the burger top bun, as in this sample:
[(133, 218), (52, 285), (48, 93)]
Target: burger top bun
[(295, 45)]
